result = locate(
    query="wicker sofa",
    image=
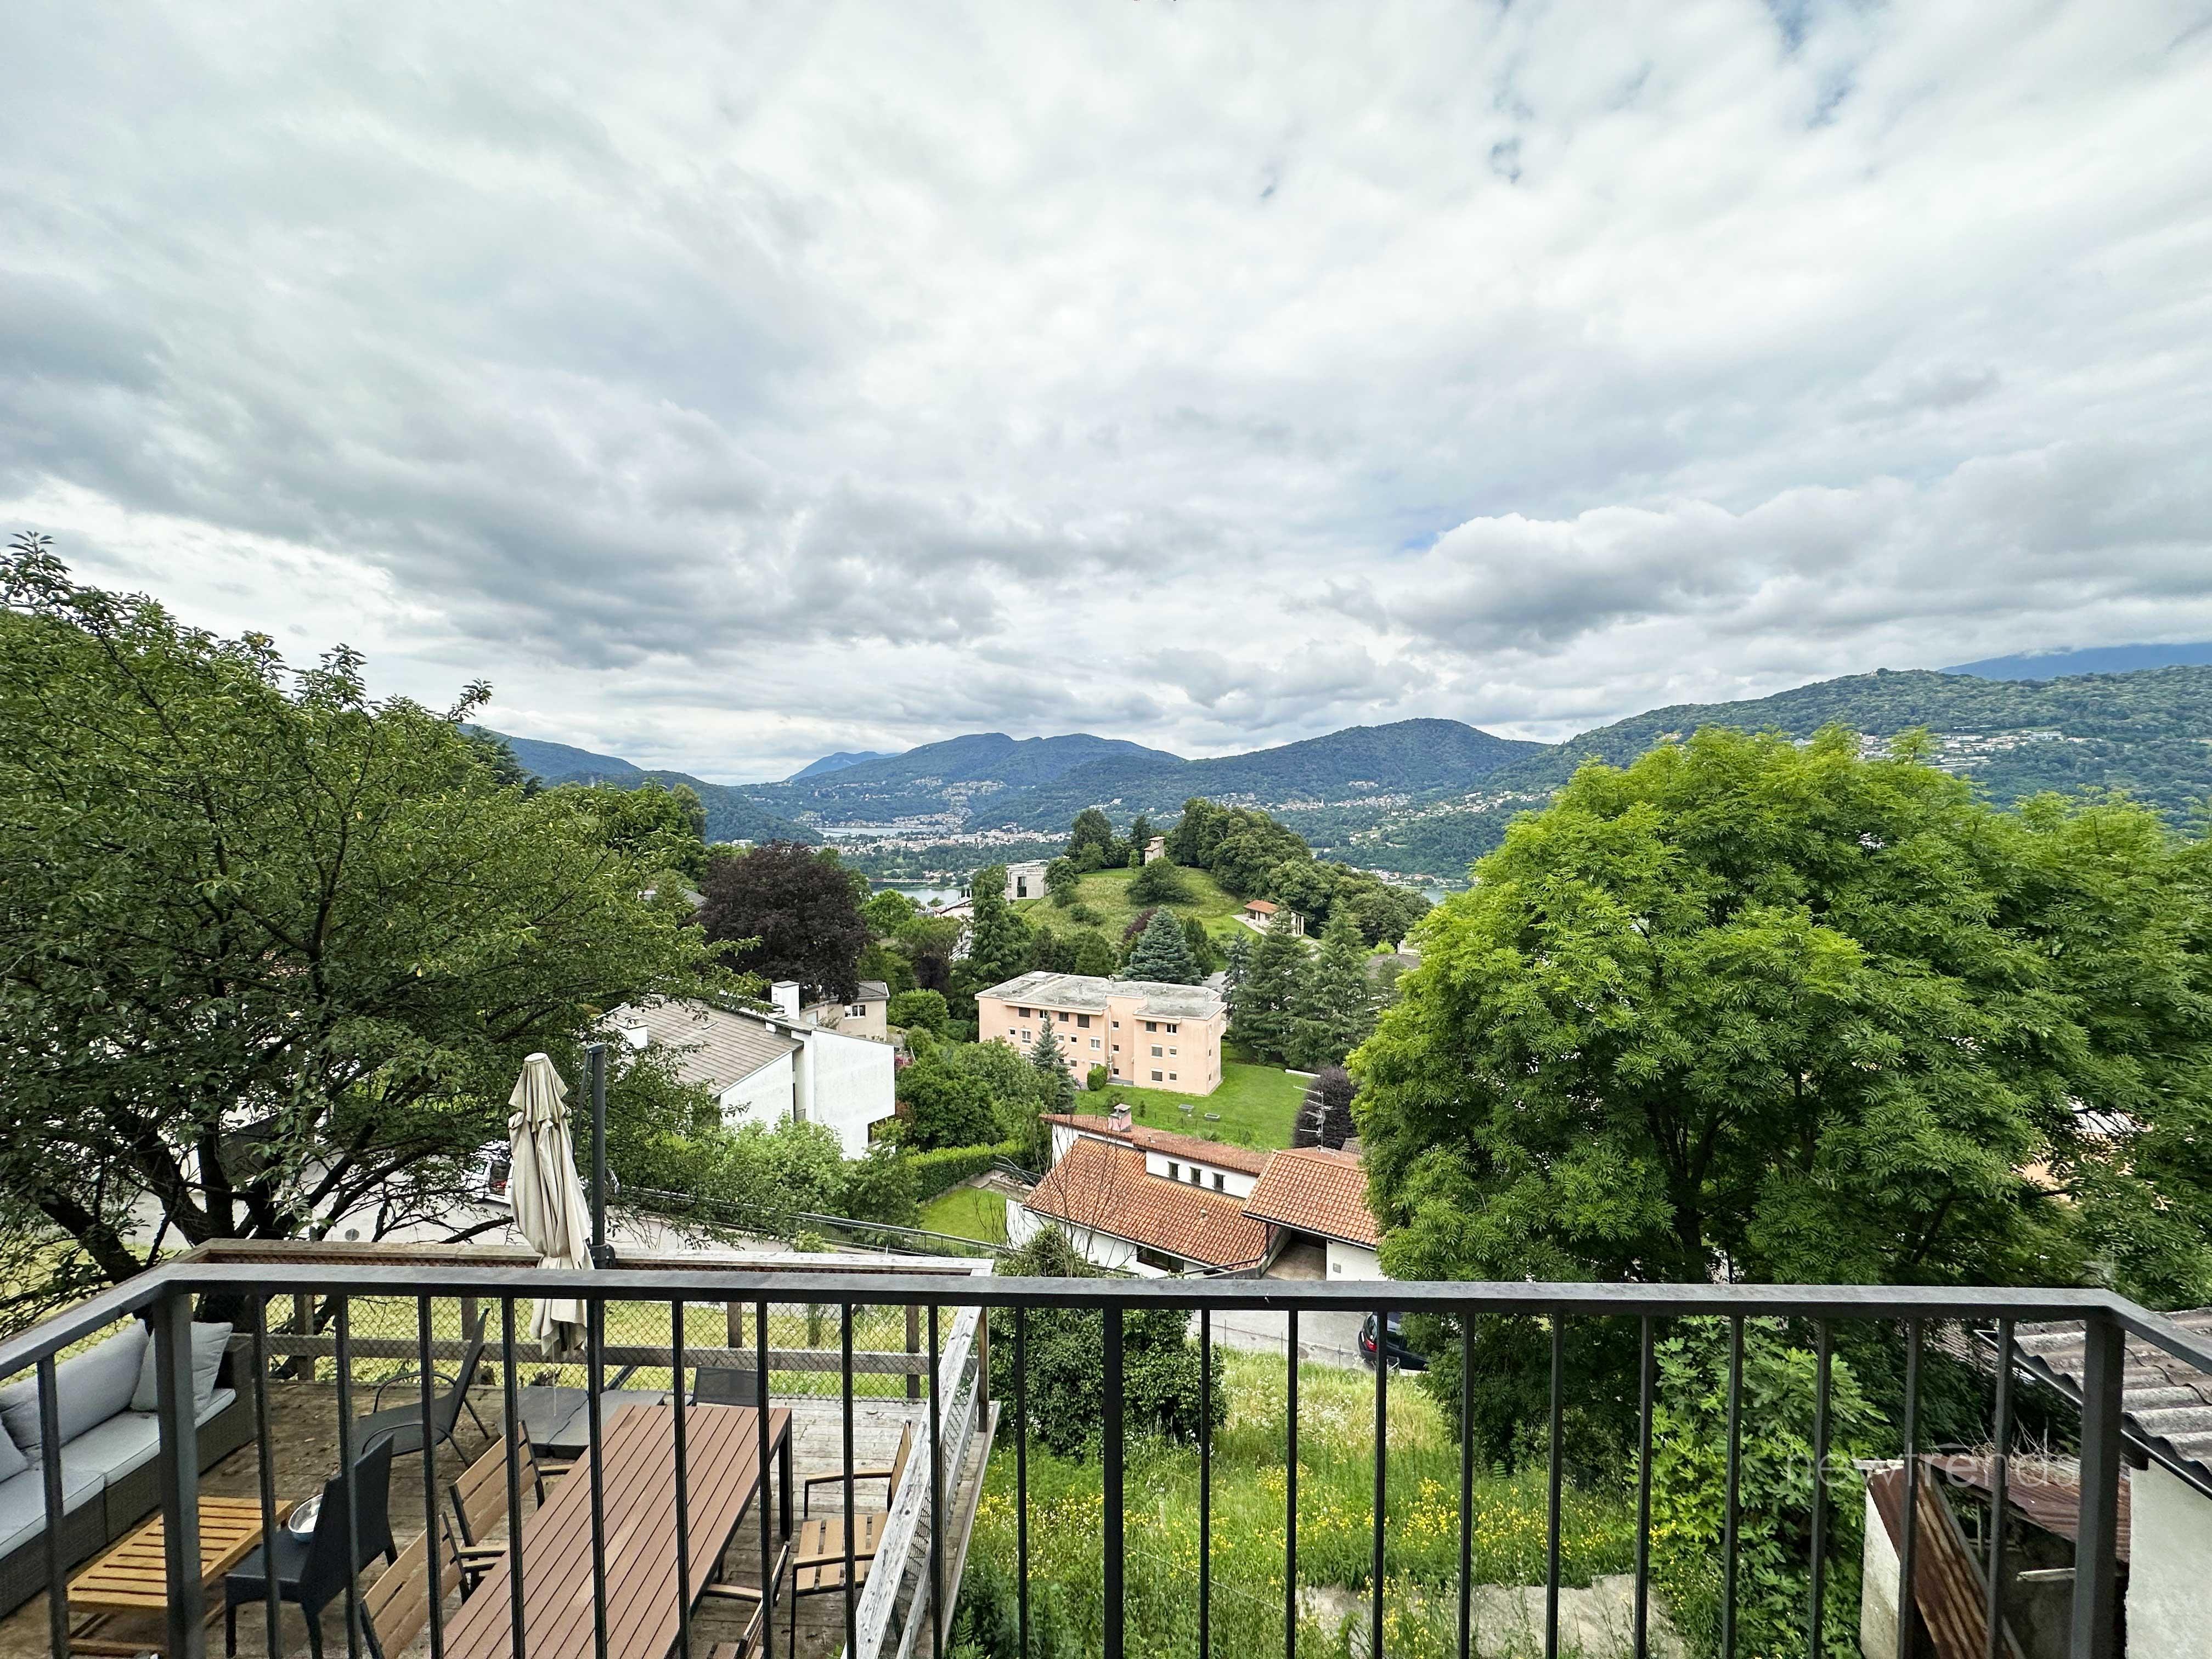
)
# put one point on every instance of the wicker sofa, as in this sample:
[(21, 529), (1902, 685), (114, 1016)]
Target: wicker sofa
[(110, 1471)]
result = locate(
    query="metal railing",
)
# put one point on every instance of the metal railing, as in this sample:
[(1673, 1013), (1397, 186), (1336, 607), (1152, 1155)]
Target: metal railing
[(959, 1388)]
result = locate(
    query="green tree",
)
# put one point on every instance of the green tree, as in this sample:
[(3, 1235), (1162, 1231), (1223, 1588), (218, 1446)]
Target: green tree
[(1055, 1092), (1805, 1015), (1062, 878), (1094, 953), (234, 895), (1238, 961), (1160, 883), (925, 1009), (1140, 834), (889, 913), (790, 911), (1091, 844), (999, 942), (1161, 953), (1265, 1012), (946, 1102), (663, 828), (1204, 954), (1335, 1009)]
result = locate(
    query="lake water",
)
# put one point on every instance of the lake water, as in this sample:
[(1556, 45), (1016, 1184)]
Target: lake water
[(924, 897)]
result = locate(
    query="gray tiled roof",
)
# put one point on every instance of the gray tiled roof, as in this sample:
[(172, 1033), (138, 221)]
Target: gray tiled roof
[(2166, 1401), (1087, 994), (711, 1047)]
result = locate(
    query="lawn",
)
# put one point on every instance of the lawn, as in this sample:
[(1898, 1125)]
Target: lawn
[(967, 1213), (1107, 891), (1335, 1513), (1257, 1104)]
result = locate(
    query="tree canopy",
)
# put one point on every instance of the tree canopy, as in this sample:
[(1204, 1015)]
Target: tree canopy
[(1161, 953), (274, 950), (1799, 1015), (792, 912)]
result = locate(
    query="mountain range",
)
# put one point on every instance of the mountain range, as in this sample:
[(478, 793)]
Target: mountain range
[(1427, 797)]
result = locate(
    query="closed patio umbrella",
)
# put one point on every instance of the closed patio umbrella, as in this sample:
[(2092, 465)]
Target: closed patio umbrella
[(548, 1197)]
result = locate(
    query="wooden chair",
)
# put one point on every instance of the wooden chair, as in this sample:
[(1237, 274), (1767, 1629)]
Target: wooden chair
[(891, 1475), (396, 1606), (754, 1640), (480, 1504)]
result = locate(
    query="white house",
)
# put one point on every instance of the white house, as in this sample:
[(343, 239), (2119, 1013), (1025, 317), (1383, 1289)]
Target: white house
[(1025, 881), (767, 1066)]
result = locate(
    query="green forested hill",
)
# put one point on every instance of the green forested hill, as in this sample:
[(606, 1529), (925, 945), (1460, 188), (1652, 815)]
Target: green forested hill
[(2148, 732)]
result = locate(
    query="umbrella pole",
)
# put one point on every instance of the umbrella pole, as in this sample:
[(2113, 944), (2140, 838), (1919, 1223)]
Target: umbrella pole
[(595, 1058)]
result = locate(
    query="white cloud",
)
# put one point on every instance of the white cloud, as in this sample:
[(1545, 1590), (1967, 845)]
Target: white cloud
[(728, 388)]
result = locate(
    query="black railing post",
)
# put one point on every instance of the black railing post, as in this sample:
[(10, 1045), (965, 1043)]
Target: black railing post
[(512, 1431), (1818, 1564), (595, 1318), (347, 1451), (1554, 1474), (50, 1465), (2000, 1481), (179, 1427), (1908, 1542), (2096, 1599), (1466, 1483), (852, 1610), (1732, 1514), (1204, 1484), (682, 1410), (1646, 1386), (1382, 1476), (1291, 1490), (1112, 1316), (1022, 1475), (433, 1558), (272, 1609)]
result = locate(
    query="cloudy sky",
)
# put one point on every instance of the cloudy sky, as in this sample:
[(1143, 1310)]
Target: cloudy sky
[(732, 385)]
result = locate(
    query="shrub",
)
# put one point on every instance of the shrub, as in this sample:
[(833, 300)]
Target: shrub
[(926, 1009), (1089, 914), (1097, 1078), (1160, 883), (932, 1172)]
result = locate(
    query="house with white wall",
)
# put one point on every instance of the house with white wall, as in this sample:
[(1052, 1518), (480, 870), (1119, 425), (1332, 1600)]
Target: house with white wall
[(770, 1065)]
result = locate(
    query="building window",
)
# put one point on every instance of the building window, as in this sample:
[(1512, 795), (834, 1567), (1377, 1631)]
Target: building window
[(1170, 1051), (1025, 1036), (1063, 1019), (1156, 1077), (1150, 1025), (1217, 1185), (1117, 1048), (1117, 1024), (1171, 1076), (857, 1011), (1083, 1022), (1159, 1259), (1156, 1051), (1172, 1028), (1175, 1170), (1094, 1042)]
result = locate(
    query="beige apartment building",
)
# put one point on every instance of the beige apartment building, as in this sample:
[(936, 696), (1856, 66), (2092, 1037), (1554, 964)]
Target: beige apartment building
[(1150, 1035)]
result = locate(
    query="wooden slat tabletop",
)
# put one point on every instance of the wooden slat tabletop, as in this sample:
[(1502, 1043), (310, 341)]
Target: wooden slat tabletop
[(723, 1464), (133, 1576)]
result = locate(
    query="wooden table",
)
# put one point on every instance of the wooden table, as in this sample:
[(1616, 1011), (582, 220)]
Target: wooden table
[(724, 1470), (124, 1596)]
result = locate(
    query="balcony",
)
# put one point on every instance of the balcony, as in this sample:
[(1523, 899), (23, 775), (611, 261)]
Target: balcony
[(701, 1508)]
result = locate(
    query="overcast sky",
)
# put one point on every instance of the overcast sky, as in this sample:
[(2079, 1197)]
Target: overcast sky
[(729, 385)]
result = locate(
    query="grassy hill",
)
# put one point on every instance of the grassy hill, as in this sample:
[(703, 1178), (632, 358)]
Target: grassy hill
[(1107, 891)]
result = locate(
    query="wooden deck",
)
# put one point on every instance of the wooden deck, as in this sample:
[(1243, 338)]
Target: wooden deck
[(304, 1440)]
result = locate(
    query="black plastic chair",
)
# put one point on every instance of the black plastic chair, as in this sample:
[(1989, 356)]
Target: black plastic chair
[(313, 1573), (713, 1385), (402, 1425)]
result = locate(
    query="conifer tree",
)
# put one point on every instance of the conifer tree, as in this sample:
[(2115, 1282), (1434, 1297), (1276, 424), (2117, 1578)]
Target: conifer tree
[(1162, 954), (1335, 1007), (999, 943), (1268, 996), (1055, 1088), (1239, 964)]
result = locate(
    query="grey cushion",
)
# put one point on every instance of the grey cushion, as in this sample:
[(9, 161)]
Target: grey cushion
[(12, 1461), (89, 1389), (23, 1504), (127, 1441), (208, 1344)]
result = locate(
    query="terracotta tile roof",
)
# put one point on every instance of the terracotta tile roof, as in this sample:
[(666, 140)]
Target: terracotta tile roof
[(1104, 1187), (1266, 906), (2165, 1403), (1168, 1143), (1315, 1191)]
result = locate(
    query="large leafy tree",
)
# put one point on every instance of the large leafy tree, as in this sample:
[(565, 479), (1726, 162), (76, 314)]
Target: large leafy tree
[(272, 952), (791, 912), (1091, 844), (1792, 1015)]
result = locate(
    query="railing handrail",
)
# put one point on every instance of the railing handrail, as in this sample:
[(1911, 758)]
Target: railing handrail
[(984, 1289)]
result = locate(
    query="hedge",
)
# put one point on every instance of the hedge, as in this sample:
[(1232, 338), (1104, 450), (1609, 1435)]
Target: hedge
[(948, 1166)]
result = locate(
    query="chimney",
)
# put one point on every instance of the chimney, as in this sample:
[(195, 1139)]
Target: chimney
[(636, 1037), (785, 994), (1117, 1121)]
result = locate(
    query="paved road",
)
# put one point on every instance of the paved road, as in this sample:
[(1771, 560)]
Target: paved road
[(1325, 1338)]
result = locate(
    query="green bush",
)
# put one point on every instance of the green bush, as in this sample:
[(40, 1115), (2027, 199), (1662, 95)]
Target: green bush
[(1089, 914), (1689, 1489), (1159, 883), (1097, 1078), (932, 1172), (925, 1009)]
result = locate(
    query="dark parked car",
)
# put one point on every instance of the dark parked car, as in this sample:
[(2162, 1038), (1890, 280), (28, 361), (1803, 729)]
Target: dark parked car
[(1402, 1358)]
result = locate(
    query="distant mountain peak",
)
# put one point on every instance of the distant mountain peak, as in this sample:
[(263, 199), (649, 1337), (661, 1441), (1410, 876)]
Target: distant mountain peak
[(838, 763), (2093, 659)]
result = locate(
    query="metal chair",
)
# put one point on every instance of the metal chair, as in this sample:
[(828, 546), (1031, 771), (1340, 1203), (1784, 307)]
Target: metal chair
[(402, 1425), (313, 1571), (732, 1385)]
